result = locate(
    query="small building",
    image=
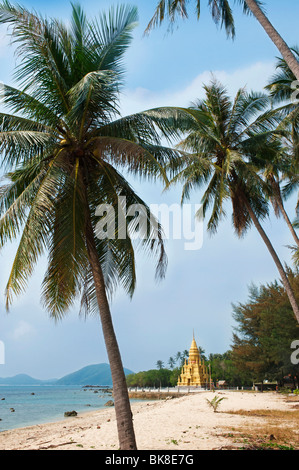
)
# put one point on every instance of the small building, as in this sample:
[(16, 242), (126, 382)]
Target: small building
[(222, 384), (265, 385), (194, 372)]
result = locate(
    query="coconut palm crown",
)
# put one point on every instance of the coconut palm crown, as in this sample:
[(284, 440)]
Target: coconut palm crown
[(283, 90), (65, 148), (230, 143)]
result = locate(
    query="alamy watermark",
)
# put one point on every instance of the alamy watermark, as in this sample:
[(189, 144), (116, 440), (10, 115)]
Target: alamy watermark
[(295, 354), (2, 353), (295, 94), (140, 222)]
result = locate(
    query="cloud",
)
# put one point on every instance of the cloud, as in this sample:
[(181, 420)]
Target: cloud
[(21, 330), (254, 77)]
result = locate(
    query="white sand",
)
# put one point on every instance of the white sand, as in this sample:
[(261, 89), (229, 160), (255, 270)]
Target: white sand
[(159, 425)]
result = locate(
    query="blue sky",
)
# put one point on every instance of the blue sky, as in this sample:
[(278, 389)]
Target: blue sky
[(200, 286)]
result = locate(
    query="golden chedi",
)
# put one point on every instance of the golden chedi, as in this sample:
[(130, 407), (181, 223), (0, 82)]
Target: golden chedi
[(194, 372)]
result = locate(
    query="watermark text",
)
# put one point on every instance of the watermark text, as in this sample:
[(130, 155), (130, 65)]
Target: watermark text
[(2, 353), (295, 354), (136, 221)]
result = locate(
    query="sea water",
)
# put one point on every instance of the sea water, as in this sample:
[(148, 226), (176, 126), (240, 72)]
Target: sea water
[(45, 404)]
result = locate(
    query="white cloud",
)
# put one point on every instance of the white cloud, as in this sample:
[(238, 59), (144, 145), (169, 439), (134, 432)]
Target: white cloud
[(254, 77), (21, 330)]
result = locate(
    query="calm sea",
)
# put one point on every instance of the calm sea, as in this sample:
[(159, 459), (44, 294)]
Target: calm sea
[(48, 404)]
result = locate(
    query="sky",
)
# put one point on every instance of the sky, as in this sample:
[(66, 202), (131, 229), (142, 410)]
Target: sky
[(162, 69)]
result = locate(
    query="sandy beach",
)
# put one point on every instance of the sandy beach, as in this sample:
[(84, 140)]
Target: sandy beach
[(182, 423)]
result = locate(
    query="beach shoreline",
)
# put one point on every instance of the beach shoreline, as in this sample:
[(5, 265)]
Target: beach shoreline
[(185, 423)]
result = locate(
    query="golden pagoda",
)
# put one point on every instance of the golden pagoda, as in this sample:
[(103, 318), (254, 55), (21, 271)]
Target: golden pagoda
[(194, 372)]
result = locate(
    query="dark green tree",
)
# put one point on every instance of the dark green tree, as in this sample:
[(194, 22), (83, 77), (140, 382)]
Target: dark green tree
[(265, 331), (150, 378), (178, 357), (160, 364), (171, 362), (223, 368)]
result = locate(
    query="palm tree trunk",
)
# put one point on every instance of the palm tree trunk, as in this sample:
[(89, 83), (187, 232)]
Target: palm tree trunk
[(275, 37), (289, 223), (276, 259), (278, 206), (123, 412)]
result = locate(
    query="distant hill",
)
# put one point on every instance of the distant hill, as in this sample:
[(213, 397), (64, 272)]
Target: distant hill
[(20, 379), (97, 374)]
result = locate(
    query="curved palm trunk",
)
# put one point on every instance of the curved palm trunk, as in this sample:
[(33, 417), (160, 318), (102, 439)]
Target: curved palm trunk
[(275, 37), (277, 201), (123, 412), (276, 259), (289, 223)]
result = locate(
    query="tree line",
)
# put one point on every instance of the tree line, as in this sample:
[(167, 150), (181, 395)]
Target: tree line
[(261, 345)]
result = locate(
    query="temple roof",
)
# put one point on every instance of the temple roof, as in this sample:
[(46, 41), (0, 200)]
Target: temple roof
[(193, 348)]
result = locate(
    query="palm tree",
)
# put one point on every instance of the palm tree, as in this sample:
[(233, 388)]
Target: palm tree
[(160, 364), (225, 138), (222, 14), (62, 149), (275, 170), (178, 357), (296, 249), (185, 355), (280, 85), (220, 10), (255, 7), (202, 353), (171, 362), (281, 90)]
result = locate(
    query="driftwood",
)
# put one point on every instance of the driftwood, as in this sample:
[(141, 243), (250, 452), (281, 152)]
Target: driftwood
[(53, 446)]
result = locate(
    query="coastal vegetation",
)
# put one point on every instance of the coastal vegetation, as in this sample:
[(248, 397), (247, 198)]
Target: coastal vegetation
[(215, 402), (260, 352), (265, 331)]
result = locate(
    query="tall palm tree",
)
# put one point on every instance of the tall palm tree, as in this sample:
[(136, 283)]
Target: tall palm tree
[(296, 249), (160, 364), (225, 138), (63, 147), (255, 7), (274, 171), (171, 362), (178, 357), (185, 355), (280, 85), (281, 91), (222, 14), (220, 10), (202, 353)]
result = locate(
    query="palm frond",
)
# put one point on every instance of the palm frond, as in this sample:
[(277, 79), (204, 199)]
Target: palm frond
[(34, 236), (112, 34), (67, 249), (171, 9)]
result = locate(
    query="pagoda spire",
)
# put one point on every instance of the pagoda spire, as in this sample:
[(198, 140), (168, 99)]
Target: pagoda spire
[(194, 372)]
